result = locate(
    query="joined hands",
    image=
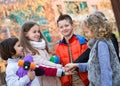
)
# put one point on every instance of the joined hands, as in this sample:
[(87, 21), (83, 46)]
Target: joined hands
[(70, 68)]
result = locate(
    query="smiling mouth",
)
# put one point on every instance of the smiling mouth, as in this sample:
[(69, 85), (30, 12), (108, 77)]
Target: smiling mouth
[(37, 37), (65, 31)]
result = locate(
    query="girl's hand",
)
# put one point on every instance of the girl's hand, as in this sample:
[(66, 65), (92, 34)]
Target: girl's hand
[(71, 72), (31, 74), (71, 66)]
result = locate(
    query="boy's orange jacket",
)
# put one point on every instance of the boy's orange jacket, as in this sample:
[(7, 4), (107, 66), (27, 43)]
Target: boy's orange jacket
[(78, 45)]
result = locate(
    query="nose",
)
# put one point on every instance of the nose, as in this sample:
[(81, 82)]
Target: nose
[(21, 47)]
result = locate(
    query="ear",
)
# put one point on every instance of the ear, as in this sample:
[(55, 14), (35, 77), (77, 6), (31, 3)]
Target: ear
[(12, 53), (73, 25)]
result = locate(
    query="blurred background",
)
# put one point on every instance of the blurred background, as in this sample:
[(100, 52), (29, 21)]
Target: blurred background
[(13, 13)]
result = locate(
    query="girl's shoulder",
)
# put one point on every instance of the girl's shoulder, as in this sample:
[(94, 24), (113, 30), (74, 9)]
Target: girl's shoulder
[(97, 44), (12, 67), (103, 47)]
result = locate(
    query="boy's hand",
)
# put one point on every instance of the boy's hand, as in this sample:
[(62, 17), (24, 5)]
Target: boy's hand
[(31, 74), (71, 66)]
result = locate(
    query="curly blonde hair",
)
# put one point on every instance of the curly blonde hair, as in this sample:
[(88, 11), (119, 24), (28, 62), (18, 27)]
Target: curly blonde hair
[(98, 25)]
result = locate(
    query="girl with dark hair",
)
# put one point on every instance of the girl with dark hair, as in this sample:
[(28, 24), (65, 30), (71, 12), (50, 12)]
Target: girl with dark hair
[(11, 50)]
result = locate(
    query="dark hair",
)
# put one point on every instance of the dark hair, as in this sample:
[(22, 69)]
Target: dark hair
[(7, 48), (65, 17), (24, 40)]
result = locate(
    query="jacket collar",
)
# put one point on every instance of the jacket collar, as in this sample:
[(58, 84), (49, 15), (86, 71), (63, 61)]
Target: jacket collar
[(64, 40)]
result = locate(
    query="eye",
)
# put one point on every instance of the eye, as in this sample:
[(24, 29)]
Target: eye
[(60, 26), (66, 25), (19, 45), (35, 31)]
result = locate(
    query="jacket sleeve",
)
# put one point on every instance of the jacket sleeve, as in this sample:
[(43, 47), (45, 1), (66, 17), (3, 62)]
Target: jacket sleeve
[(82, 67), (51, 71), (35, 82), (83, 57), (43, 61)]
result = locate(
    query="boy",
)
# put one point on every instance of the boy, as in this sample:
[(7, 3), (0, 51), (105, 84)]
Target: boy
[(69, 49)]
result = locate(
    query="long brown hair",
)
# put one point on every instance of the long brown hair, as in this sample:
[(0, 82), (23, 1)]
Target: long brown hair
[(24, 41)]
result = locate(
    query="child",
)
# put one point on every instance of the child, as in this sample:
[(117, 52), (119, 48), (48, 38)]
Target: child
[(103, 65), (34, 43), (11, 51), (70, 49)]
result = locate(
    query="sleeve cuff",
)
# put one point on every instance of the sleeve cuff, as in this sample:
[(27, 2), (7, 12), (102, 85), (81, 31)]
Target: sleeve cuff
[(59, 72), (26, 78)]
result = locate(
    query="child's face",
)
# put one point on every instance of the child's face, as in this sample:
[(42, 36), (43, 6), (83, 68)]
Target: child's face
[(19, 49), (34, 33), (65, 27), (88, 32)]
